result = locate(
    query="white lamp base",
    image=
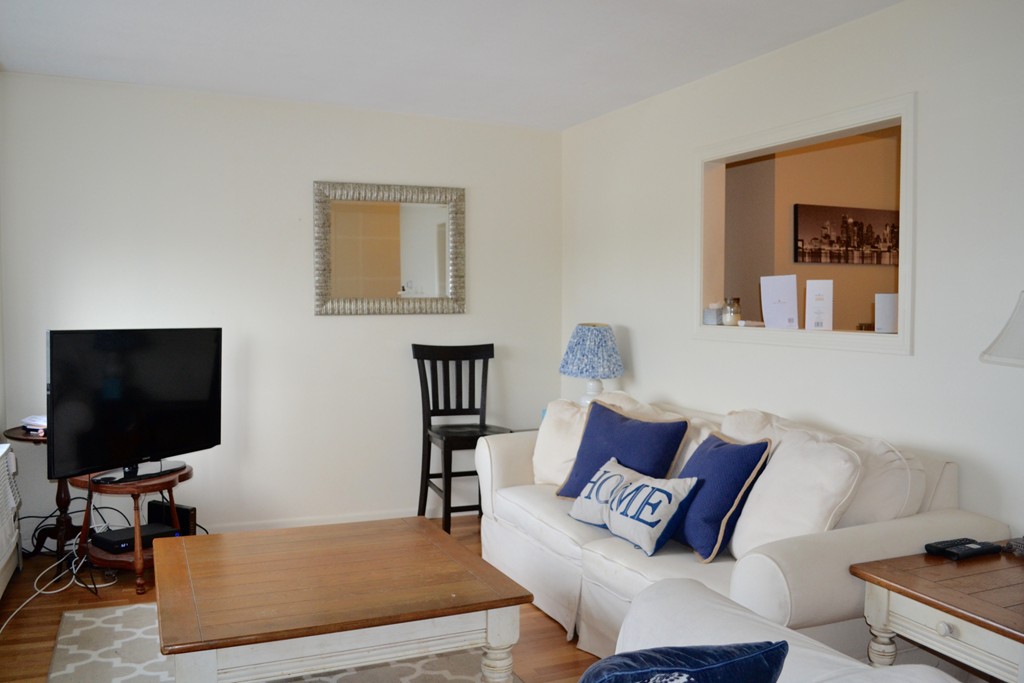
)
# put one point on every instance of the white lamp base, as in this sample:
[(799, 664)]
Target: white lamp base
[(594, 389)]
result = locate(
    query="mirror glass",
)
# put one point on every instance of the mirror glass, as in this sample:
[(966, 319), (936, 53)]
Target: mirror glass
[(388, 249)]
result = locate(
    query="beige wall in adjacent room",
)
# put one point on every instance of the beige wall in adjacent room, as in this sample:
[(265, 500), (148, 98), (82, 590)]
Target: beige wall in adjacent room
[(365, 250), (749, 232), (861, 172)]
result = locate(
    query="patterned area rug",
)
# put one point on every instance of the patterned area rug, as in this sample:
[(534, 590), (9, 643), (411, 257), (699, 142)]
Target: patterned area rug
[(121, 645)]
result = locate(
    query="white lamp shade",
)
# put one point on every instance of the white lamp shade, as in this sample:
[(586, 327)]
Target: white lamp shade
[(1008, 347)]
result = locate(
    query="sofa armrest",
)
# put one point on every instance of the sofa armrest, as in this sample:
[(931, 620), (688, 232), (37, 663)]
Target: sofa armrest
[(805, 581), (503, 460), (683, 612)]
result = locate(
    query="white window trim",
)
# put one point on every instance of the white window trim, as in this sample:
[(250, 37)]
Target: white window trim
[(711, 219)]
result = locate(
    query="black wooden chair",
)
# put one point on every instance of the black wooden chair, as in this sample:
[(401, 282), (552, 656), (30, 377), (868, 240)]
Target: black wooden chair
[(453, 383)]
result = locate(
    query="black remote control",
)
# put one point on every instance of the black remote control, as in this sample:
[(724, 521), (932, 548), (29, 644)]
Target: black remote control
[(962, 552), (940, 547), (962, 548)]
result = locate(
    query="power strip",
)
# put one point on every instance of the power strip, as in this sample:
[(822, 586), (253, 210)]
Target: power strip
[(160, 512)]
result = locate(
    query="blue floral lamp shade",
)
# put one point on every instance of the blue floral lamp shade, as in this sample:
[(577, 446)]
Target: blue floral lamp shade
[(592, 355)]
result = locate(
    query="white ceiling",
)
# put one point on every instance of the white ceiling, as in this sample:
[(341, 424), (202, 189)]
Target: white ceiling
[(539, 63)]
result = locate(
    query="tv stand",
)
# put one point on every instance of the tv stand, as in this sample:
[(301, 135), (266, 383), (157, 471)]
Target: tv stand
[(140, 558), (142, 470)]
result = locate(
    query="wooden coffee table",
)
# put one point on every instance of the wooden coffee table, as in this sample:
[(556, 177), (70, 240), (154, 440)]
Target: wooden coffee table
[(282, 602), (972, 611)]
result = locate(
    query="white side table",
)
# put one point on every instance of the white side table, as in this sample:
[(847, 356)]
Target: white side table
[(972, 611)]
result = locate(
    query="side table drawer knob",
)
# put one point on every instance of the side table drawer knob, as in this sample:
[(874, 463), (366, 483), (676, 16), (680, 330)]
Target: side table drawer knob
[(944, 629)]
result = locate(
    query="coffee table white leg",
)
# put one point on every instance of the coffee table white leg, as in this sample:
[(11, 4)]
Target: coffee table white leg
[(882, 647), (502, 634), (195, 667)]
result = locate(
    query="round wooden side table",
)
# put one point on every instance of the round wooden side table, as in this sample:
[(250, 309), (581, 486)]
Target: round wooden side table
[(140, 558), (62, 528)]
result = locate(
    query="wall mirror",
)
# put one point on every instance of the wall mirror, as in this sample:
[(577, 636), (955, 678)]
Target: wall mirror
[(388, 249)]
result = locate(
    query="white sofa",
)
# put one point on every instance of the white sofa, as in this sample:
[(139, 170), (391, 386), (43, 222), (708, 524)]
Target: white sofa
[(684, 612), (585, 578)]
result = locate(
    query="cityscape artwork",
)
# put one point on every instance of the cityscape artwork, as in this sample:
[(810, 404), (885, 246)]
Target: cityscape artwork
[(836, 234)]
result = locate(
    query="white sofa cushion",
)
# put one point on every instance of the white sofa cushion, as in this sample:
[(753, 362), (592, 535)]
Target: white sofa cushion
[(616, 566), (805, 488), (892, 483), (535, 510), (558, 439)]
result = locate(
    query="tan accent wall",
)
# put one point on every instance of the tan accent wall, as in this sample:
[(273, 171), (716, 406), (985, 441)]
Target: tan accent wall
[(860, 171), (365, 250)]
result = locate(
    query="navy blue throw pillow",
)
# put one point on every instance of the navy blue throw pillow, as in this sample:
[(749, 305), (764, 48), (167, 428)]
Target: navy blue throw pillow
[(739, 663), (645, 447), (727, 472)]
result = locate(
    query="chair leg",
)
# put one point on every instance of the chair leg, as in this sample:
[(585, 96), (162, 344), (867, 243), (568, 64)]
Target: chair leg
[(424, 477), (446, 478)]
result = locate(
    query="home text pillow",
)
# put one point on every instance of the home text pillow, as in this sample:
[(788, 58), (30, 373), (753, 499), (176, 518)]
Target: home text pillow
[(805, 488), (746, 662), (558, 439), (642, 510), (644, 446), (727, 472)]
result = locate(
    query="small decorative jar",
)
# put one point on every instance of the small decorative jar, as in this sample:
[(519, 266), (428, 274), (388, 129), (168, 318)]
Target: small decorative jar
[(731, 313), (713, 314)]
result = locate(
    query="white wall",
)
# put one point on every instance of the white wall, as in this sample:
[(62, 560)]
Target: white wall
[(131, 207), (631, 218)]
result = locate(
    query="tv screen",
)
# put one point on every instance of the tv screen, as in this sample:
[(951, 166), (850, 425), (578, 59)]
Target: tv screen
[(120, 398)]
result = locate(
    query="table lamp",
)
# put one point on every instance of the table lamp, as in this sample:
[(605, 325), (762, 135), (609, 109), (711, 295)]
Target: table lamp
[(592, 355), (1008, 347)]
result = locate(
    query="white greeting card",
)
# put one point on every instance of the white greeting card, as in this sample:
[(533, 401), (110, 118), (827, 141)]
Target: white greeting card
[(778, 301), (818, 309)]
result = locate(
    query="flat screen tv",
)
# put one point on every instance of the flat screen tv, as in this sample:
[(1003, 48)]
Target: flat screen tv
[(124, 400)]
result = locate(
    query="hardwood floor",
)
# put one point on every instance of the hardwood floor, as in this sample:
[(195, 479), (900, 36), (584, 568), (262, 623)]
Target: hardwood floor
[(542, 656)]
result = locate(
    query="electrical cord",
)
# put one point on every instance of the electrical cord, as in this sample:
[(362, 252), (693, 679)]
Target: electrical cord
[(98, 511), (74, 567)]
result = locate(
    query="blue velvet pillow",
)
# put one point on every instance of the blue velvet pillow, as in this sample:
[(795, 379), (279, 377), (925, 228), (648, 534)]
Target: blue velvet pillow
[(646, 447), (740, 663), (728, 472)]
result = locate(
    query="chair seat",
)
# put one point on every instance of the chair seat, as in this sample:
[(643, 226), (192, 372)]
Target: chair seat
[(461, 437)]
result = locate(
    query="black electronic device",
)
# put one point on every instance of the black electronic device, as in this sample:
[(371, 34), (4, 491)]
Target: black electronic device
[(962, 548), (125, 400), (160, 512), (939, 547), (123, 540)]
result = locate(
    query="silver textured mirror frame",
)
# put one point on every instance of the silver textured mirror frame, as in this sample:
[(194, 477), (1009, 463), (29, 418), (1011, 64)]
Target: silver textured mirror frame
[(325, 192)]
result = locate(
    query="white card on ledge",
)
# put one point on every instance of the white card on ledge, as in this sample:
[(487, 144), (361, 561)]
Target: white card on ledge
[(818, 311), (778, 301)]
